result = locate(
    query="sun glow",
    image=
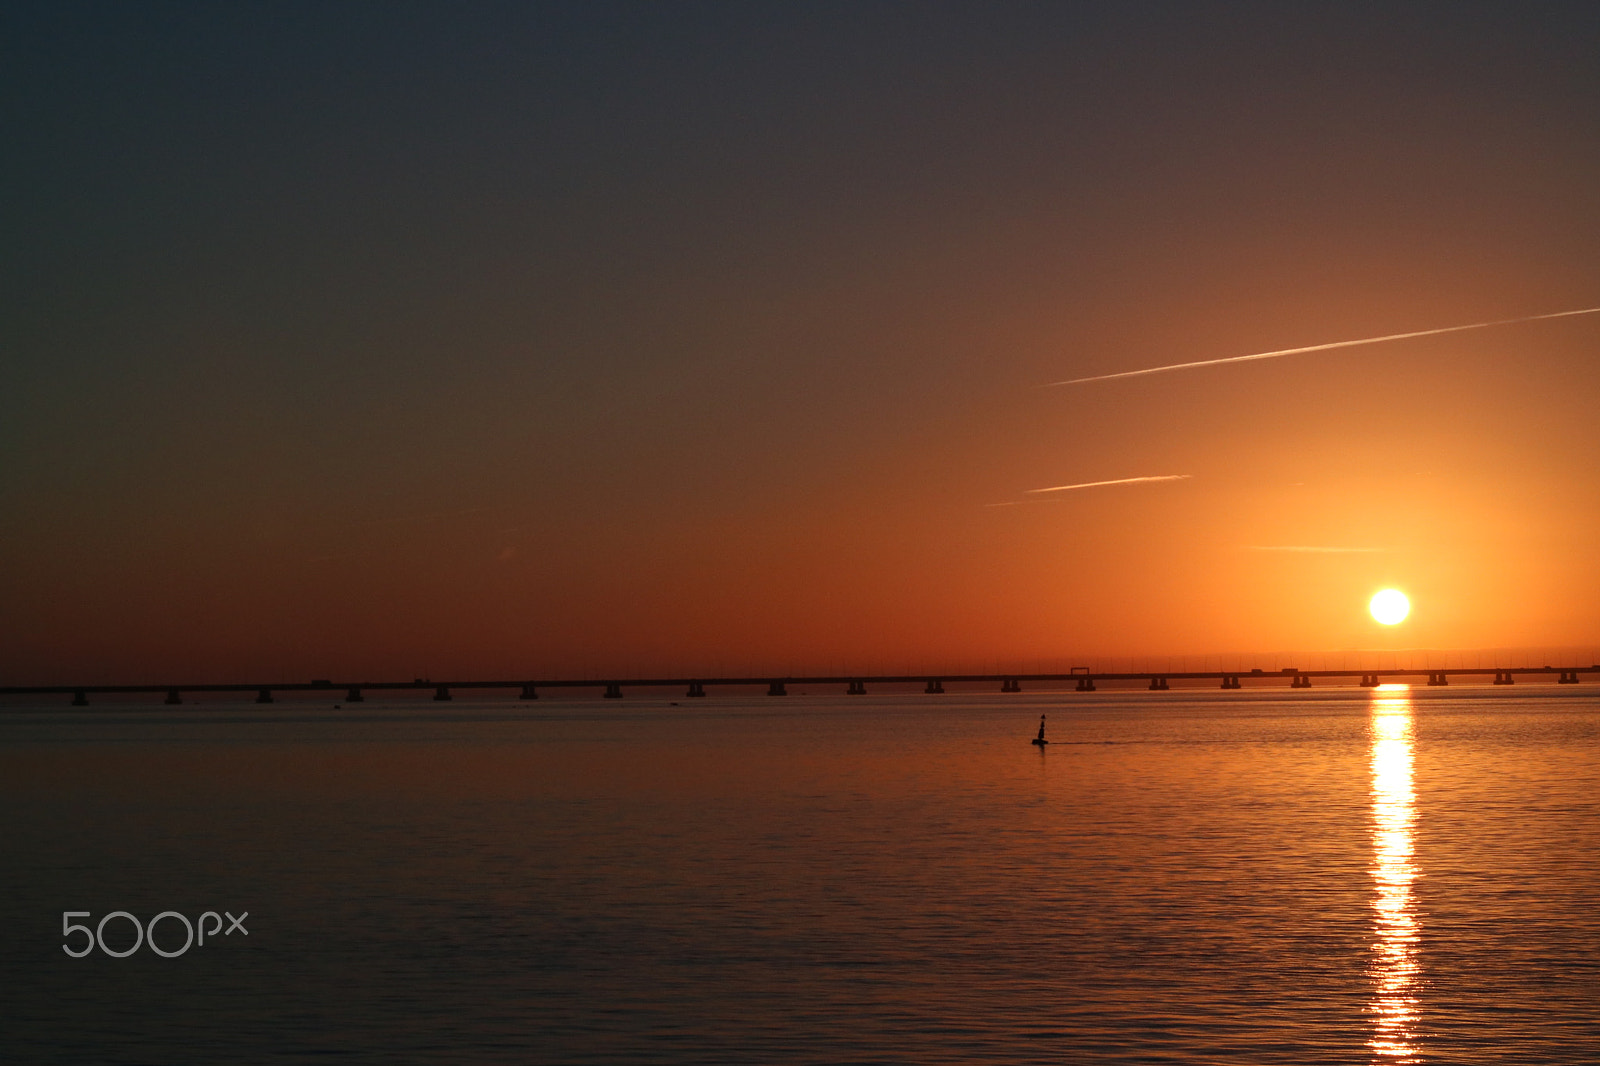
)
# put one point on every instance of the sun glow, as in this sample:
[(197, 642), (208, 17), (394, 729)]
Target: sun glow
[(1390, 607)]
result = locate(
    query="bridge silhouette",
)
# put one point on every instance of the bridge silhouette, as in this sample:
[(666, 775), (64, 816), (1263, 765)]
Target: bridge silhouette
[(1081, 679)]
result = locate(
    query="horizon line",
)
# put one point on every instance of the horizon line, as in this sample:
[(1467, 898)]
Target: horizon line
[(613, 683)]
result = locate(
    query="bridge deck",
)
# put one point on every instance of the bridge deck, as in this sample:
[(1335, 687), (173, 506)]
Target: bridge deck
[(778, 685)]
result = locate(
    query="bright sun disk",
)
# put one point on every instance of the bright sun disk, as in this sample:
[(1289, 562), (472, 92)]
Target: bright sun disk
[(1390, 607)]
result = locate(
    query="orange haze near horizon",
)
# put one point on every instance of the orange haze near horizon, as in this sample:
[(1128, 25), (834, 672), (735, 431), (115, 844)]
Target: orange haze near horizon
[(1455, 468)]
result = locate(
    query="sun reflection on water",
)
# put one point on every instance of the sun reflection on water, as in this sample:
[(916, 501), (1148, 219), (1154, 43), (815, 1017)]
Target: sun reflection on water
[(1394, 968)]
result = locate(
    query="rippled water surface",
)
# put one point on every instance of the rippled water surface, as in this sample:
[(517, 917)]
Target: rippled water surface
[(1339, 876)]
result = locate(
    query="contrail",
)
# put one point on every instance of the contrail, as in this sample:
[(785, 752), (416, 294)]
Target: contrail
[(1310, 548), (1322, 347), (1118, 481)]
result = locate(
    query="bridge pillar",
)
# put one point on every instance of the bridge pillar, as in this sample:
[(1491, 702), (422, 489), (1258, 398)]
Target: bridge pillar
[(696, 689), (1568, 677), (1369, 680), (1503, 677), (1300, 681), (264, 696), (1231, 681), (613, 691), (80, 698), (173, 697), (1085, 684), (935, 688), (442, 692), (528, 692), (354, 695), (776, 688), (856, 688), (1010, 685), (1158, 684)]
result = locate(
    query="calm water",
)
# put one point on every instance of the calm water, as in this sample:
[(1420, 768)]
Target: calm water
[(1186, 877)]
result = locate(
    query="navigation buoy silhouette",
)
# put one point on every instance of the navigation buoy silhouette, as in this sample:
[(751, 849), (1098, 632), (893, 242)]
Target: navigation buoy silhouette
[(1040, 740)]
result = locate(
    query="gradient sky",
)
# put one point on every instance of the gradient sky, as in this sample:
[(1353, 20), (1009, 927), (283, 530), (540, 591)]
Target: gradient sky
[(411, 339)]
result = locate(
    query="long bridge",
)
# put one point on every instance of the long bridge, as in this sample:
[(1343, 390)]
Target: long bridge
[(1082, 679)]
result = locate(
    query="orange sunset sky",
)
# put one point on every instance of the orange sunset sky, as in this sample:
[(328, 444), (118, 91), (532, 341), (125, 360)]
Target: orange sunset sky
[(721, 341)]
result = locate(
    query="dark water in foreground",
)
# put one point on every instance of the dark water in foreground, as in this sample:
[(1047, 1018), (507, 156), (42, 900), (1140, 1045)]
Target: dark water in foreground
[(1186, 877)]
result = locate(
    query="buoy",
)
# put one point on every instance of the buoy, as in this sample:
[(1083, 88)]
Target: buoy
[(1040, 740)]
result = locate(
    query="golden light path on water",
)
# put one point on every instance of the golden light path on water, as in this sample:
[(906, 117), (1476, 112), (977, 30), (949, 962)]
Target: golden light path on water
[(1394, 968)]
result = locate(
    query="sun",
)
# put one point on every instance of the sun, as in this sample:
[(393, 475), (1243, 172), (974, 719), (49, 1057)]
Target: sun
[(1390, 607)]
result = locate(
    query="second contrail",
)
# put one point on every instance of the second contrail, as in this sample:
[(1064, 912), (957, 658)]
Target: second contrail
[(1321, 347), (1117, 481)]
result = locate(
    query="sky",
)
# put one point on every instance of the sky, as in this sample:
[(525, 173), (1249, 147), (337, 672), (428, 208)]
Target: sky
[(377, 341)]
